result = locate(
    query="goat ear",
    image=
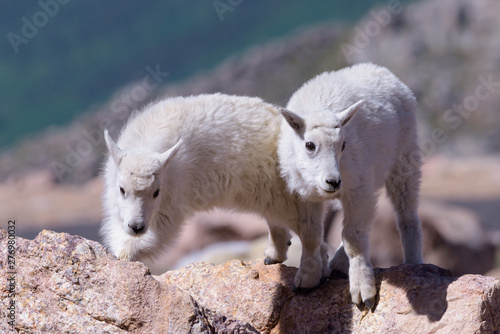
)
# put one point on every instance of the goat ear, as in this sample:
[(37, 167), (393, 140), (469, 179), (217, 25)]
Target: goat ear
[(347, 114), (116, 153), (295, 121), (165, 156)]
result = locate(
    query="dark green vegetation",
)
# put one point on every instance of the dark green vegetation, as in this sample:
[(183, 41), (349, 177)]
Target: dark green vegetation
[(85, 50)]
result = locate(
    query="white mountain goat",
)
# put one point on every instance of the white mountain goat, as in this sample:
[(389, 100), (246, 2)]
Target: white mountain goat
[(189, 154), (346, 134)]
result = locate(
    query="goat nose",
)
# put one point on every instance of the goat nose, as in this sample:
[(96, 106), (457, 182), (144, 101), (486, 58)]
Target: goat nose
[(334, 183), (137, 228)]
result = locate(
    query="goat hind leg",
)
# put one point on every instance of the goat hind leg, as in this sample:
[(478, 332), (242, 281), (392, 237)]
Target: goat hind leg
[(277, 247), (402, 188)]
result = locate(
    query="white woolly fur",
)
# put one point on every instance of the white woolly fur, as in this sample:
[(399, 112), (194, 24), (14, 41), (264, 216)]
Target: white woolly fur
[(188, 154), (361, 123)]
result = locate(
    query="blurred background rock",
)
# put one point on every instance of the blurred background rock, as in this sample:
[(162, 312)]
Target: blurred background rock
[(79, 73)]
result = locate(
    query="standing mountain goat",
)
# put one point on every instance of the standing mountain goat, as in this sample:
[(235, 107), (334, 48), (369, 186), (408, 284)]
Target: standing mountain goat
[(184, 155), (351, 132)]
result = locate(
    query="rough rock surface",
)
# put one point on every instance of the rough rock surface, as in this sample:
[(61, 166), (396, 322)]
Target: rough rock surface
[(412, 299), (67, 284)]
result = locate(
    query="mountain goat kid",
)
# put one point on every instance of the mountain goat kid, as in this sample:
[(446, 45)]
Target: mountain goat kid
[(189, 154), (350, 132)]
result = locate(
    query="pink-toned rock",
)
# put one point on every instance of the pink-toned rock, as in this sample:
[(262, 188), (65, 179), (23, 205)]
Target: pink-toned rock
[(412, 299), (251, 291), (67, 284)]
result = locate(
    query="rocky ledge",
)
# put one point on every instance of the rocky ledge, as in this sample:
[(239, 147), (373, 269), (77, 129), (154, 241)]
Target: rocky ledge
[(68, 284)]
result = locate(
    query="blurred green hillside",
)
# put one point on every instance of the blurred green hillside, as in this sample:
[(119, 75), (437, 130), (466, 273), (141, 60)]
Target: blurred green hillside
[(59, 58)]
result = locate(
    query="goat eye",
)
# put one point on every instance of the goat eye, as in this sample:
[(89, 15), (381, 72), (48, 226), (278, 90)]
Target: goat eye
[(310, 146), (122, 191), (343, 147), (157, 192)]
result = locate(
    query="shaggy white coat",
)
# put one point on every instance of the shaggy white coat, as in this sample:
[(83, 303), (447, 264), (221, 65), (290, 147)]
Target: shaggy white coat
[(361, 123), (189, 154)]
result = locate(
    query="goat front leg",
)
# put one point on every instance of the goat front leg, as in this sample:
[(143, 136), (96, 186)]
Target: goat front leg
[(358, 214), (313, 263)]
